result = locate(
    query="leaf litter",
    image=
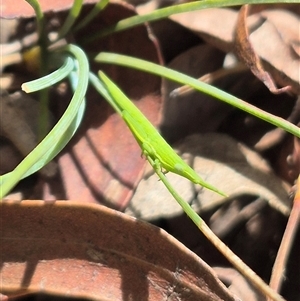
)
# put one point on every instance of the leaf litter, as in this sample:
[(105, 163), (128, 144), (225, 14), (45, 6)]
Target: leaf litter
[(188, 114)]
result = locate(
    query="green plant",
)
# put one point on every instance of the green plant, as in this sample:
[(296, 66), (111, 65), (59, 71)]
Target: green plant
[(75, 66)]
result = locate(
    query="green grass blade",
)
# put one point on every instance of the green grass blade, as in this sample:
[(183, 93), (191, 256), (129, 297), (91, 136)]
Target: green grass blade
[(172, 10), (39, 16), (99, 6), (127, 61), (50, 79), (61, 133), (43, 66), (71, 18), (100, 87), (41, 84)]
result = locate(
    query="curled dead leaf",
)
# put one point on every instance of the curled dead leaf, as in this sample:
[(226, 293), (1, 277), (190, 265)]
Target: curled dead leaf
[(279, 33), (247, 54)]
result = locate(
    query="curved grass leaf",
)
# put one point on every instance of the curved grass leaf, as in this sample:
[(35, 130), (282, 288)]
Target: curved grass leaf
[(127, 61), (39, 16), (100, 5), (101, 88), (50, 79), (61, 133), (71, 18)]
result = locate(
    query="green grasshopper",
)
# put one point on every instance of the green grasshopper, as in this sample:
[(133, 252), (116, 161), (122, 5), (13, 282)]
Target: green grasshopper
[(153, 145)]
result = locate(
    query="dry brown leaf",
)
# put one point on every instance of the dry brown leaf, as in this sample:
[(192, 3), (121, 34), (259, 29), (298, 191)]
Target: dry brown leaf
[(19, 124), (206, 114), (214, 25), (238, 284), (9, 156), (194, 112), (293, 160), (217, 26), (276, 52), (171, 44), (90, 251), (246, 53)]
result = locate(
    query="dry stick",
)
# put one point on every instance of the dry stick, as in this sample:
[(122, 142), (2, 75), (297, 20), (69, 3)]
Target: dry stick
[(286, 243), (203, 227)]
